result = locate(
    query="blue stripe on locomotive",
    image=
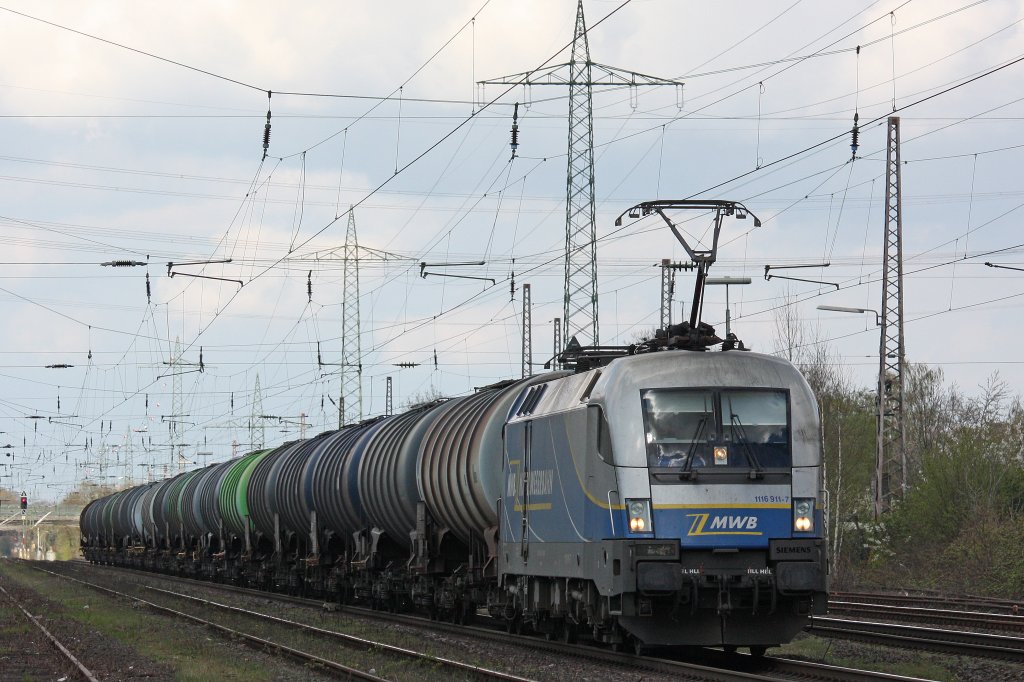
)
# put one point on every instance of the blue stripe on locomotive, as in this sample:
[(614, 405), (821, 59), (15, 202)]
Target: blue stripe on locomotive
[(557, 504)]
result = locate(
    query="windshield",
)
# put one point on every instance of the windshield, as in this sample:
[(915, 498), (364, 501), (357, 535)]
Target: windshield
[(757, 420), (679, 425), (694, 429)]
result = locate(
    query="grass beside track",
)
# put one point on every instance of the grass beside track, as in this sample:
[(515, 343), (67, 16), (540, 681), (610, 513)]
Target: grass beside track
[(899, 661), (193, 653), (909, 663), (362, 657)]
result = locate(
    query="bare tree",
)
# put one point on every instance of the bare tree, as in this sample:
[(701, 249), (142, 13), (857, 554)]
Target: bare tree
[(789, 331)]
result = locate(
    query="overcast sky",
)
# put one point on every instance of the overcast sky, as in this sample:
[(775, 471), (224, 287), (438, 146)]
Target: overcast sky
[(134, 131)]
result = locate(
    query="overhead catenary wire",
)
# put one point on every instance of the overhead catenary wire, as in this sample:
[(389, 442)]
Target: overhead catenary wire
[(259, 255), (439, 141)]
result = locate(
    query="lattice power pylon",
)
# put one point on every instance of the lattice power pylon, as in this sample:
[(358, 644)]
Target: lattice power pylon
[(891, 457), (257, 431), (177, 409), (527, 333), (580, 306), (350, 407), (580, 309), (177, 416)]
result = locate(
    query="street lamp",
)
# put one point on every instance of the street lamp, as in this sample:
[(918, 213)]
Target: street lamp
[(880, 427), (844, 309), (726, 281)]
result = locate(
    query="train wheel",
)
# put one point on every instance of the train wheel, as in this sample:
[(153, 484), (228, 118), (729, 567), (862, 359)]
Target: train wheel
[(729, 649), (758, 651), (568, 632), (638, 646)]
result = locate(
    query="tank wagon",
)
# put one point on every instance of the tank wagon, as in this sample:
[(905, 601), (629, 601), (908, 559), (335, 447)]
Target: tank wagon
[(668, 498)]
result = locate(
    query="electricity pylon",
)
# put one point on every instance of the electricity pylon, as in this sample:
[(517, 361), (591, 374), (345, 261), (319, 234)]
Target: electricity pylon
[(257, 431), (350, 408), (176, 418), (891, 454), (177, 408), (580, 308)]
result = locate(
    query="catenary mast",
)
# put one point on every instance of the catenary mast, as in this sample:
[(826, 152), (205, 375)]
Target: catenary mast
[(891, 458), (350, 408)]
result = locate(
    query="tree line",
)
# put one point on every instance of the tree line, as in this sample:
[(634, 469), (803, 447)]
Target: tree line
[(959, 528)]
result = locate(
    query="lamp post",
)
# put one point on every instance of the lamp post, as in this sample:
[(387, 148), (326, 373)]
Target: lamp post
[(726, 281), (880, 430), (844, 309)]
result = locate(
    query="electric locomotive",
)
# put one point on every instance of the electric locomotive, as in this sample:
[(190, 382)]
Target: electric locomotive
[(668, 498)]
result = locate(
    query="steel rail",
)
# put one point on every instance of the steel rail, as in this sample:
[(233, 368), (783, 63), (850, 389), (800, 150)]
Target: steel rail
[(950, 641), (1003, 621), (975, 603), (86, 673)]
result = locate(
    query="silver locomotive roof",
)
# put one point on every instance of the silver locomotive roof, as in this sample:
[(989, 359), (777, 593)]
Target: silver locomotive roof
[(616, 389)]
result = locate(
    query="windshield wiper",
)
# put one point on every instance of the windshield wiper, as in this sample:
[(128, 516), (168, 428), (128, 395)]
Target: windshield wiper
[(688, 471), (756, 470)]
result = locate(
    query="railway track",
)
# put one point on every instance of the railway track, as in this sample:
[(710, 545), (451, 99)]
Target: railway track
[(69, 658), (975, 620), (933, 601), (303, 656), (712, 665), (957, 642)]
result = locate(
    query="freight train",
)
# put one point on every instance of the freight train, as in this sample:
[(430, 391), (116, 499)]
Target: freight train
[(656, 499)]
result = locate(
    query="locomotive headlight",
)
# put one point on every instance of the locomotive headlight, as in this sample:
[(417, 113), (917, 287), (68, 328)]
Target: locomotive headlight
[(721, 454), (639, 513), (803, 514)]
